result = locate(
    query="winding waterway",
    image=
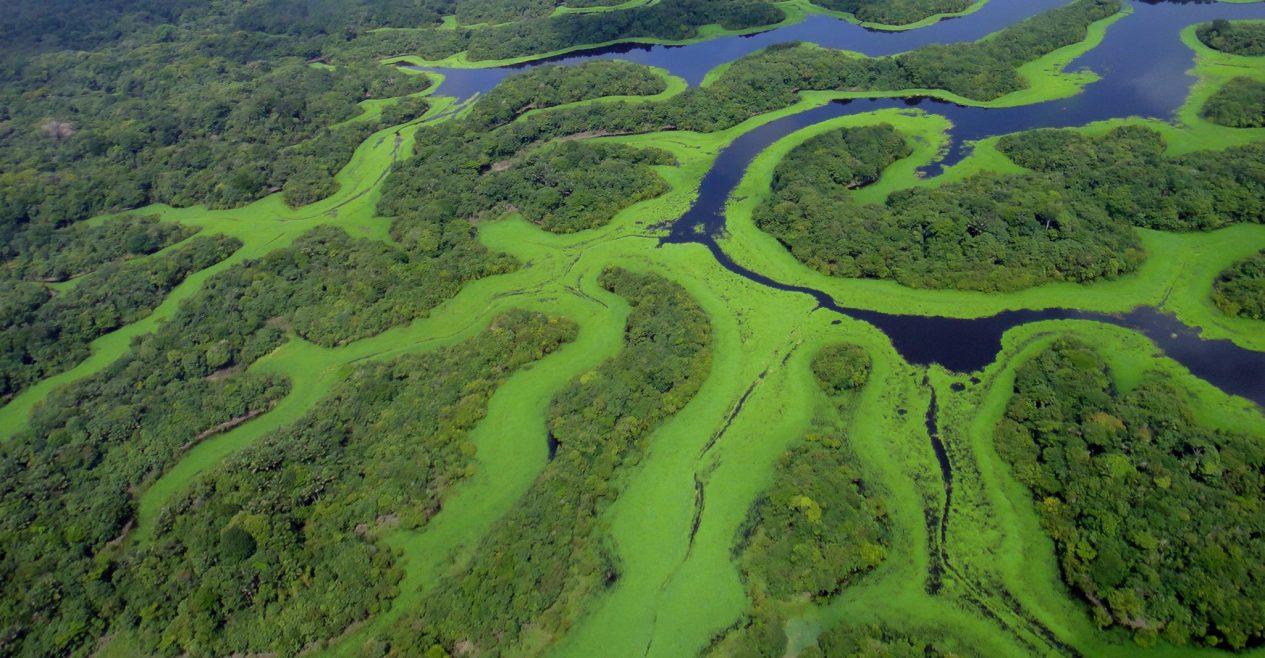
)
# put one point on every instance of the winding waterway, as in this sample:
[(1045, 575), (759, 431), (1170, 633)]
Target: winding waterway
[(1142, 63)]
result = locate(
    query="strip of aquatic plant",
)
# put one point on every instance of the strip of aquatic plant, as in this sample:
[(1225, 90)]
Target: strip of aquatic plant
[(821, 524), (45, 330), (381, 452), (600, 422)]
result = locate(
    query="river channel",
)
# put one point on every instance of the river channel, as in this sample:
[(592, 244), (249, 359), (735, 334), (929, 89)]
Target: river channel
[(1143, 68)]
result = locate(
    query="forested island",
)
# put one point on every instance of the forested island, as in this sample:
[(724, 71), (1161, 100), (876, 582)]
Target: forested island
[(479, 328)]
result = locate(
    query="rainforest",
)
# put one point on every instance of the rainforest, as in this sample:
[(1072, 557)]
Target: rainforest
[(576, 328)]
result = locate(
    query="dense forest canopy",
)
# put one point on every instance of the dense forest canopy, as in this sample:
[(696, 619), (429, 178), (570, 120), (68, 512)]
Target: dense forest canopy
[(550, 86), (66, 483), (115, 278), (1127, 173), (1123, 480), (856, 641), (217, 132), (989, 232), (673, 20), (496, 160), (470, 12), (43, 331), (1240, 289), (1240, 103), (30, 28), (50, 255), (93, 443), (564, 188), (1234, 37), (114, 105)]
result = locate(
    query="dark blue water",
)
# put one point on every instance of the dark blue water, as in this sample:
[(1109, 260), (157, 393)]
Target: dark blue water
[(1144, 43), (1142, 63), (970, 344), (692, 62)]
